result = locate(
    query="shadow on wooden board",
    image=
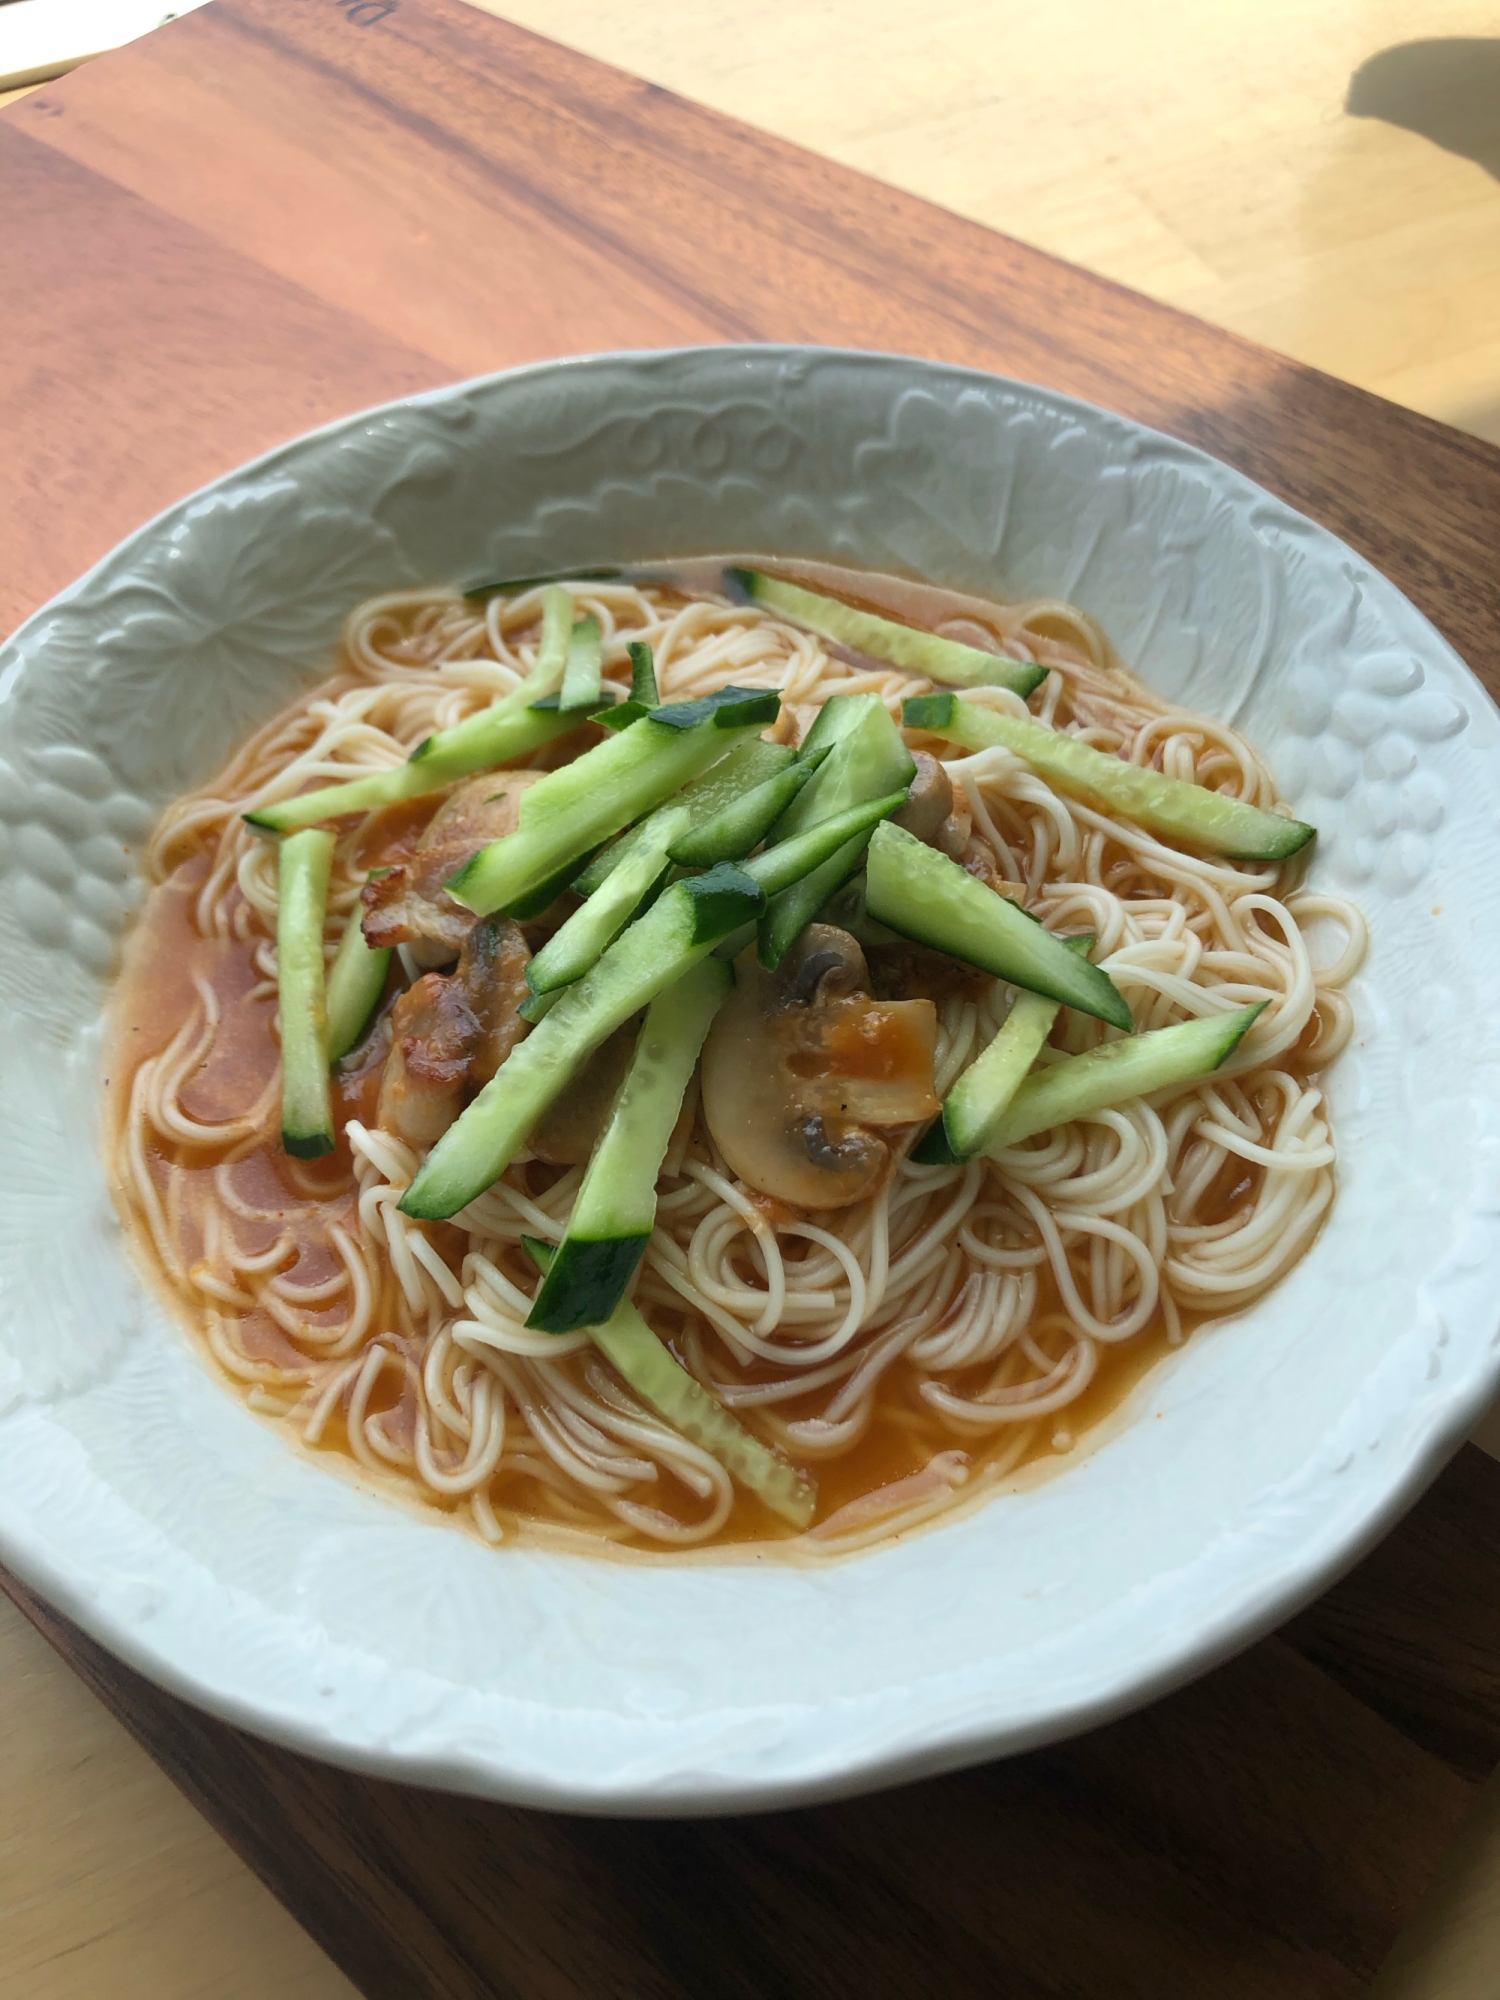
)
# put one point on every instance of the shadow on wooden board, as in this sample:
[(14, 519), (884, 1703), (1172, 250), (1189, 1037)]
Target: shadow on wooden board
[(1261, 1835)]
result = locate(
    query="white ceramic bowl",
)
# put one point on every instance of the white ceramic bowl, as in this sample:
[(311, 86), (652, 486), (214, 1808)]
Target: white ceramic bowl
[(148, 1505)]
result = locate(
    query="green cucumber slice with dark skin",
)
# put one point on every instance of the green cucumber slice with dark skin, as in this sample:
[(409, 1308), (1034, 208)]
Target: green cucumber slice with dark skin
[(866, 759), (509, 586), (777, 868), (1170, 807), (978, 1101), (1118, 1073), (356, 981), (304, 864), (681, 927), (645, 1363), (900, 645), (574, 809), (583, 674), (615, 1209), (734, 829), (805, 854), (643, 674), (571, 950), (509, 729), (643, 693), (749, 764), (921, 893)]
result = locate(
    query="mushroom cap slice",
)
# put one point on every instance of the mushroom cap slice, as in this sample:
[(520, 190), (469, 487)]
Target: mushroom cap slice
[(930, 799), (802, 1070)]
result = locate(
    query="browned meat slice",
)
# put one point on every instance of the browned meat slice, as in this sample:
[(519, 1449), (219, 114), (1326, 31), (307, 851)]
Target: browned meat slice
[(492, 967), (433, 1037), (450, 1032), (408, 906)]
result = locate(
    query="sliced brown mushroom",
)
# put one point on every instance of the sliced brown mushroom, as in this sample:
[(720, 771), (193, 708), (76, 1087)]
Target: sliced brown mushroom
[(930, 799), (931, 812), (409, 905), (804, 1074)]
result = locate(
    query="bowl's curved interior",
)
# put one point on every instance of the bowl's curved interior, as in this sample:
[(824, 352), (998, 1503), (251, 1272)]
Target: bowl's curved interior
[(187, 1535)]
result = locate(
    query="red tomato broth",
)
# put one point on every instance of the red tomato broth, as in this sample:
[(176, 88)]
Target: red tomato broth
[(303, 1200)]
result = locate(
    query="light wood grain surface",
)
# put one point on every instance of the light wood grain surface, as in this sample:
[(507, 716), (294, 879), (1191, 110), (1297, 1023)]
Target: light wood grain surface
[(1199, 154), (113, 1887)]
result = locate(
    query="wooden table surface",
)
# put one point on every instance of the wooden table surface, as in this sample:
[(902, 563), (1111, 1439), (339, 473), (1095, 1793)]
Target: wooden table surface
[(279, 210), (1200, 153)]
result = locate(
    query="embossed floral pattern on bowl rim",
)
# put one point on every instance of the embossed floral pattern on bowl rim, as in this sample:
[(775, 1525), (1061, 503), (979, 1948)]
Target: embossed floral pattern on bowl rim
[(153, 1508)]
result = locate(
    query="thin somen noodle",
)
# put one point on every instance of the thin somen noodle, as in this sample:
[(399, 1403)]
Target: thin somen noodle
[(911, 1349)]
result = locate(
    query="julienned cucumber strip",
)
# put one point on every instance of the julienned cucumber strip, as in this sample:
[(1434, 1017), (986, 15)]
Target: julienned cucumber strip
[(863, 745), (584, 672), (643, 695), (1168, 806), (979, 1099), (615, 1210), (1119, 1073), (924, 895), (506, 740), (303, 867), (356, 981), (572, 810), (643, 674), (651, 742), (777, 868), (805, 855), (884, 639), (477, 592), (571, 950), (471, 737), (748, 765), (644, 1362), (681, 927), (735, 828), (508, 729), (867, 760), (726, 708)]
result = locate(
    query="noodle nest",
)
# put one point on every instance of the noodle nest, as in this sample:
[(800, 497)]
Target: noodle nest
[(963, 1310)]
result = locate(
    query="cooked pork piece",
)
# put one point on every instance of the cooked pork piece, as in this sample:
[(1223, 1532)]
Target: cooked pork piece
[(450, 1032), (492, 967), (409, 906)]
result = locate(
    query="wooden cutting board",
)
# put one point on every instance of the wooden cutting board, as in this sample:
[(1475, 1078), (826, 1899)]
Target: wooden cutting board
[(276, 211)]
